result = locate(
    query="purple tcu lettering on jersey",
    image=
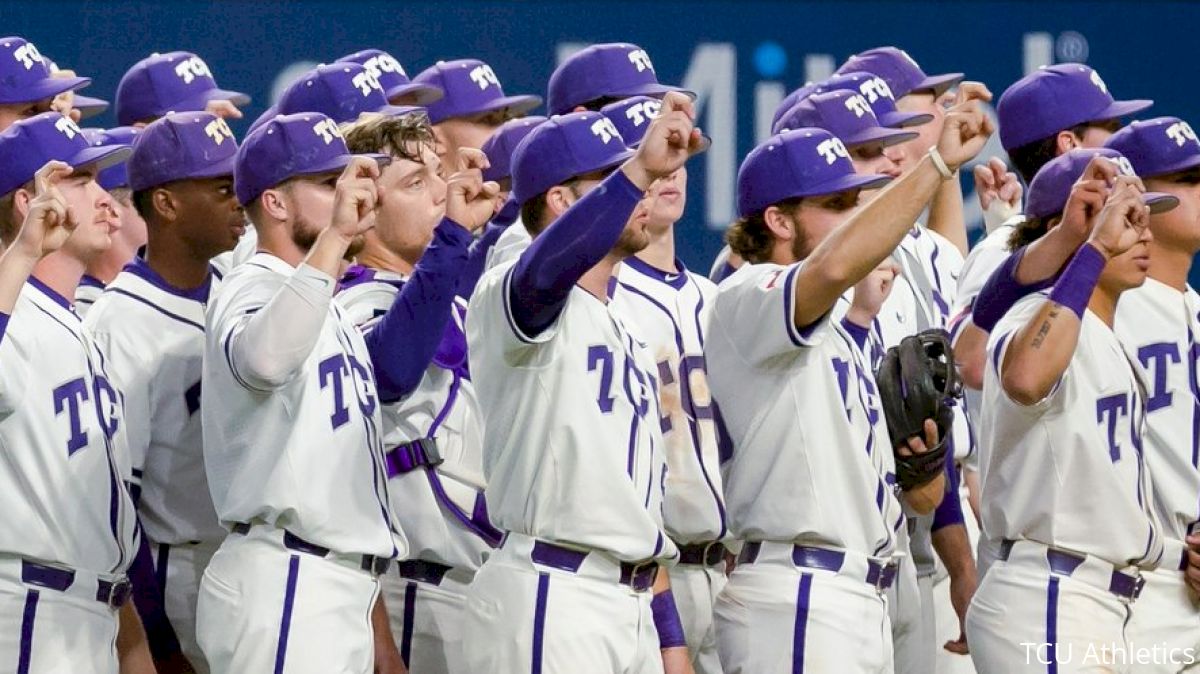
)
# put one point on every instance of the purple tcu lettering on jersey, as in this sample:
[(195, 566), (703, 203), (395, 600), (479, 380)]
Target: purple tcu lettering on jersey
[(332, 370), (366, 401), (68, 397), (1157, 358), (636, 393), (688, 365), (1112, 408), (600, 355), (107, 401), (842, 369)]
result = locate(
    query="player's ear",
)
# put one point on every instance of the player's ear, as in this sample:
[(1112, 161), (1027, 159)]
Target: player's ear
[(20, 203), (274, 204), (163, 203), (1066, 141), (558, 199), (781, 225)]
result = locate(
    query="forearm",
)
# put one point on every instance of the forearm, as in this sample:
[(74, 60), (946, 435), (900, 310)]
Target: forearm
[(328, 252), (946, 214), (574, 243), (953, 547), (858, 245), (970, 352), (402, 344), (273, 343), (133, 653), (1044, 258)]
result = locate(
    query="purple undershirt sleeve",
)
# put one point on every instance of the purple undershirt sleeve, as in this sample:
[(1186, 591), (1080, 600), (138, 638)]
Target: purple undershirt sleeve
[(1001, 292)]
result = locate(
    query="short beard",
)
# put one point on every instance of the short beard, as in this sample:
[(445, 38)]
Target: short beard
[(305, 233), (630, 243)]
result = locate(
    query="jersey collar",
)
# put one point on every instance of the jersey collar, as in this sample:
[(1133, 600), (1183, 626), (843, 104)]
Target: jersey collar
[(50, 293), (140, 269), (675, 280)]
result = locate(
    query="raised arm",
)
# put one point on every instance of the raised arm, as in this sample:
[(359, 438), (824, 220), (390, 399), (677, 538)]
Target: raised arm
[(946, 208), (1042, 348), (583, 235), (270, 345), (852, 250), (478, 253)]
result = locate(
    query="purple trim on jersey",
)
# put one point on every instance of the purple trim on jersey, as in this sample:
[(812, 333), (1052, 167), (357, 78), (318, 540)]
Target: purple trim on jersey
[(677, 279), (610, 288), (142, 270), (857, 332), (539, 622), (800, 631), (691, 413), (1052, 626), (508, 314), (357, 275), (410, 615), (28, 617), (152, 305), (160, 566), (633, 427), (999, 351), (403, 342), (578, 240), (1193, 384), (3, 324), (149, 582), (91, 281), (227, 348), (50, 293), (285, 622)]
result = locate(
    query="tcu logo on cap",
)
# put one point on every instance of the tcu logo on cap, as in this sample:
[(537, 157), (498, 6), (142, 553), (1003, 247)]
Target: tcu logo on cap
[(641, 59), (1123, 165), (385, 64), (366, 81), (327, 129), (484, 76), (191, 68), (1095, 77), (875, 88), (218, 130), (831, 149), (66, 127), (643, 112), (859, 106), (604, 128), (1181, 132), (27, 55)]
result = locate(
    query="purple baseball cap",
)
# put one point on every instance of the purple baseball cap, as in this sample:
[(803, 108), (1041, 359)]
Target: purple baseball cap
[(1157, 147), (499, 147), (392, 78), (565, 147), (121, 136), (159, 84), (611, 70), (899, 70), (341, 91), (1056, 98), (632, 117), (30, 143), (846, 115), (25, 77), (86, 105), (798, 163), (792, 99), (879, 95), (181, 146), (306, 143), (1051, 187), (471, 88)]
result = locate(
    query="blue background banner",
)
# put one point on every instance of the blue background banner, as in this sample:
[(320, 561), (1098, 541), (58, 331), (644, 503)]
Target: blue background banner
[(741, 57)]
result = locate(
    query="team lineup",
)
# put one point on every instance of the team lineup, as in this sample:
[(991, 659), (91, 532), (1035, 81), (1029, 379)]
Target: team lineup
[(408, 379)]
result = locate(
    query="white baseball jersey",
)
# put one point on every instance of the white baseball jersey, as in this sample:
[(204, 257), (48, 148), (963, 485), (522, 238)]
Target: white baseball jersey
[(1159, 327), (1071, 465), (575, 451), (438, 508), (670, 312), (810, 442), (923, 293), (62, 429), (509, 246), (153, 336), (305, 457), (86, 294)]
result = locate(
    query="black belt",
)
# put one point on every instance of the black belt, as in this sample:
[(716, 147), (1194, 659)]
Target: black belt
[(706, 554), (370, 563), (879, 576), (639, 576), (425, 572), (1064, 564), (410, 456), (110, 593)]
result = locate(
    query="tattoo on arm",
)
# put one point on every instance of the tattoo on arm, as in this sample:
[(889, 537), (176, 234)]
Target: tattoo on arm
[(1045, 328)]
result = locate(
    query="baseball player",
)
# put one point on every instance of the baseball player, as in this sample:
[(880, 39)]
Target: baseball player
[(562, 382), (400, 90), (130, 233), (1158, 324), (291, 422), (473, 107), (150, 326), (432, 430), (1058, 387), (27, 87), (177, 81), (595, 76), (847, 115), (811, 571), (669, 307), (71, 524)]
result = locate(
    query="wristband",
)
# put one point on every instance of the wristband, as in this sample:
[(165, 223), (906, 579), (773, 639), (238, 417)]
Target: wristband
[(940, 164), (1074, 288), (666, 621)]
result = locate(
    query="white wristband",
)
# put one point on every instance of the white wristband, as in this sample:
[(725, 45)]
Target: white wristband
[(940, 164)]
